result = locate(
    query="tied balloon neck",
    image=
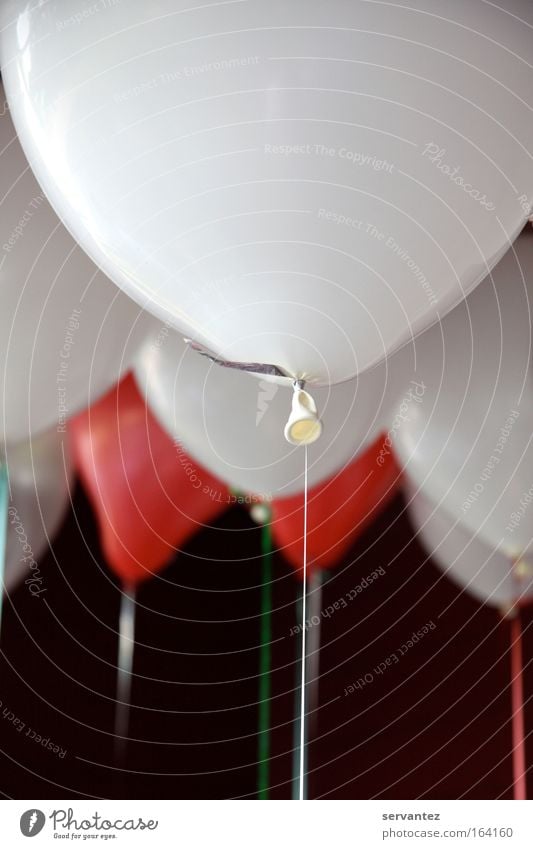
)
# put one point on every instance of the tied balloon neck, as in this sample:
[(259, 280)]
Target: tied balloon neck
[(253, 368), (303, 425)]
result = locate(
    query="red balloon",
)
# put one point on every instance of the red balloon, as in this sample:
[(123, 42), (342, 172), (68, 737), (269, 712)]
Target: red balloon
[(148, 495), (338, 510)]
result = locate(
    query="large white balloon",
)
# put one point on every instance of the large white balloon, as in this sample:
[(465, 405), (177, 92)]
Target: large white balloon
[(232, 423), (40, 481), (482, 570), (468, 446), (66, 331), (301, 183)]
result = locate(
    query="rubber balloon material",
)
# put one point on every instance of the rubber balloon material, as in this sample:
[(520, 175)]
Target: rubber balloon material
[(339, 510), (464, 438), (274, 200), (66, 332), (232, 422), (465, 557), (41, 479), (4, 503), (149, 497)]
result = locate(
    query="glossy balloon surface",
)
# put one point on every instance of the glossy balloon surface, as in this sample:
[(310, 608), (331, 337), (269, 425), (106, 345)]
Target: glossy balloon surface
[(148, 496), (468, 444), (483, 571), (306, 184), (233, 423), (40, 481), (339, 510), (66, 331)]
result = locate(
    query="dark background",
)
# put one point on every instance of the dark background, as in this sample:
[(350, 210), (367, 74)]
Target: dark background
[(437, 725)]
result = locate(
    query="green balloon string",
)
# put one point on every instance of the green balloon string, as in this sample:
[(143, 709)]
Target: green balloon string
[(4, 504), (263, 752), (297, 718)]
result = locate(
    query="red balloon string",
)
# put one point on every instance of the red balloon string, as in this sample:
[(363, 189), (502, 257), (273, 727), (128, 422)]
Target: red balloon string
[(517, 702)]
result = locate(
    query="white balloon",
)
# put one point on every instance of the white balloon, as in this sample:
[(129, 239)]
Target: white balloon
[(300, 183), (482, 570), (64, 327), (468, 445), (233, 424), (40, 481)]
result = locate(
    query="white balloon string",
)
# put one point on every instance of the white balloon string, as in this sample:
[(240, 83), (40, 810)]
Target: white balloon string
[(296, 733), (314, 607), (314, 604), (4, 504), (517, 706), (126, 648), (301, 793), (265, 663)]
